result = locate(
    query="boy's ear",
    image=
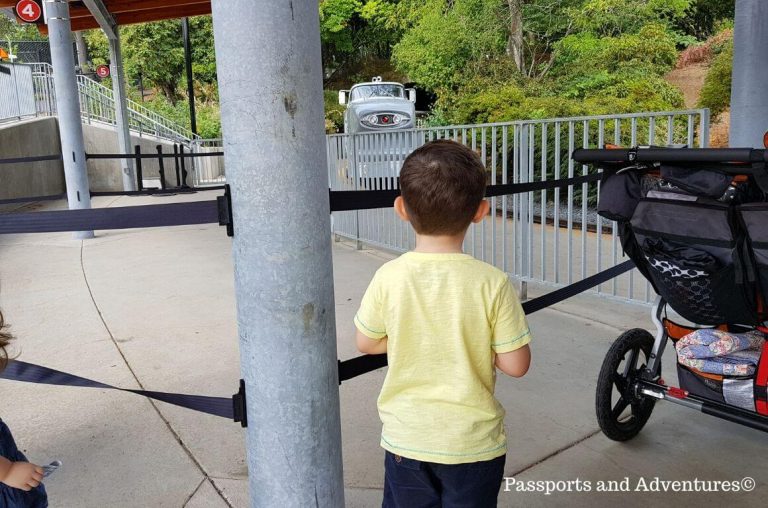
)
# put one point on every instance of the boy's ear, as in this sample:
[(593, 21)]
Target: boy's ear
[(400, 209), (482, 211)]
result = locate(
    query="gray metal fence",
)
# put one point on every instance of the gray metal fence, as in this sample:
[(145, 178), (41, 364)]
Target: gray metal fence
[(17, 95), (207, 170), (31, 51), (550, 236)]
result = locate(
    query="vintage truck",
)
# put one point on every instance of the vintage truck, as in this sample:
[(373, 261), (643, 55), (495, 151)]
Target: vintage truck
[(377, 107)]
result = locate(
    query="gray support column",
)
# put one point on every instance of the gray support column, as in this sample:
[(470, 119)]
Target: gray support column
[(270, 81), (121, 111), (82, 53), (749, 91), (68, 105)]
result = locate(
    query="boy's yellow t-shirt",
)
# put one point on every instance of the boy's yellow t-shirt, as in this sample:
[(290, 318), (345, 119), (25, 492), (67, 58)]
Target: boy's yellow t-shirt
[(445, 315)]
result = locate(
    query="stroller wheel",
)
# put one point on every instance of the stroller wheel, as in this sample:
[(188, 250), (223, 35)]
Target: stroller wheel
[(620, 412)]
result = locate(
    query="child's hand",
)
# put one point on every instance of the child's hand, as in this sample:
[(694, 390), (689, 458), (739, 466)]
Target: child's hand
[(23, 475)]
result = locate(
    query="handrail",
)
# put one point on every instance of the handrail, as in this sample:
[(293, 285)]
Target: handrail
[(95, 94)]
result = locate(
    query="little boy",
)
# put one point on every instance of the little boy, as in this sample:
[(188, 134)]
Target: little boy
[(445, 320)]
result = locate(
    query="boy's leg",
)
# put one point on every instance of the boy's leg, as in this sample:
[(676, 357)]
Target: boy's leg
[(409, 483), (471, 485)]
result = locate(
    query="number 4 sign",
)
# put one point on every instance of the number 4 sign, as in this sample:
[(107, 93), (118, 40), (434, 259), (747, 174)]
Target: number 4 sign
[(28, 10)]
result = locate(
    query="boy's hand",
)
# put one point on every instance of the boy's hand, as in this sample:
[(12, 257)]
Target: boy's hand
[(23, 475)]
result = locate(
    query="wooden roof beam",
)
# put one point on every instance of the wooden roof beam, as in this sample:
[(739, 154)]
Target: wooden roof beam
[(146, 16), (125, 6)]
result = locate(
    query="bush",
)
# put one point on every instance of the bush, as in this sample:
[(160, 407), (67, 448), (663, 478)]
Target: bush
[(716, 92), (334, 112)]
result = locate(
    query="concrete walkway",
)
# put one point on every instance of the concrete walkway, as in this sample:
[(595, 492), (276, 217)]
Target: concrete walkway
[(154, 308)]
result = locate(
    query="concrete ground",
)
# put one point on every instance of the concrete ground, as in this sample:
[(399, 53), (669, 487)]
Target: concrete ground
[(154, 308)]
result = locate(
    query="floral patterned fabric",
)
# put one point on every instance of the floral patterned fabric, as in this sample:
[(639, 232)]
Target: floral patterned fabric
[(718, 352)]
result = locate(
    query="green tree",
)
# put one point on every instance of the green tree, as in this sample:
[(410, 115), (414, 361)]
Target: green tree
[(11, 30), (451, 38), (716, 92), (155, 52), (350, 30)]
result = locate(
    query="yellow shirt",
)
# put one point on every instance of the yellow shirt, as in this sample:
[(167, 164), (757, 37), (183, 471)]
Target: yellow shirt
[(445, 315)]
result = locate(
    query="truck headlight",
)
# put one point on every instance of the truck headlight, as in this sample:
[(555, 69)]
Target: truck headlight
[(384, 119)]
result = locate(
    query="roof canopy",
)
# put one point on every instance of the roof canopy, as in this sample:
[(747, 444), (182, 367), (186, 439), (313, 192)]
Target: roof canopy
[(127, 12)]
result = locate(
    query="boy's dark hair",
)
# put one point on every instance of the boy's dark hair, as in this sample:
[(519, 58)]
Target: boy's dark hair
[(442, 184), (5, 339)]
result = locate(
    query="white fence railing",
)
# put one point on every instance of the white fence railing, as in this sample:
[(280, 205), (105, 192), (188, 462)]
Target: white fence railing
[(550, 236), (16, 92), (208, 170), (97, 104)]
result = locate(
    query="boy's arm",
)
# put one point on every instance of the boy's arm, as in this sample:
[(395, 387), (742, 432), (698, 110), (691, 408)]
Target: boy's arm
[(511, 334), (515, 363), (370, 346), (371, 336)]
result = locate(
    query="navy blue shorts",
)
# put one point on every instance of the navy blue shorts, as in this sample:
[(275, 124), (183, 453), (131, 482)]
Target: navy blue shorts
[(15, 498), (410, 483)]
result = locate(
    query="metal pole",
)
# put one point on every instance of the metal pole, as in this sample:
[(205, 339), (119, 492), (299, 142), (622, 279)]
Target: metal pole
[(270, 80), (68, 105), (121, 111), (749, 96), (161, 166), (82, 53), (188, 63)]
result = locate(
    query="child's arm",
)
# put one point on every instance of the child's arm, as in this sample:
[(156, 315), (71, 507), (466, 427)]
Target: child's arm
[(515, 363), (370, 346), (20, 475)]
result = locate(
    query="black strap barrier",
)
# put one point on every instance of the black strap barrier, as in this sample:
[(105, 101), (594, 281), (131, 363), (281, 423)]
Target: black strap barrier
[(32, 199), (234, 408), (31, 373), (220, 211), (34, 158), (367, 363), (343, 201), (151, 155), (172, 214)]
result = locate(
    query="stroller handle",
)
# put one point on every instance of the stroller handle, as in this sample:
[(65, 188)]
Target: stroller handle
[(721, 155)]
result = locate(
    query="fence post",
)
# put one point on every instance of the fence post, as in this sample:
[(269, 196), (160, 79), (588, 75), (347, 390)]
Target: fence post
[(139, 169), (161, 165), (184, 167), (352, 156), (176, 164)]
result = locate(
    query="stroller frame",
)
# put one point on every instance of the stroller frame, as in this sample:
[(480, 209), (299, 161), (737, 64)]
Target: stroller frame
[(640, 386), (651, 385)]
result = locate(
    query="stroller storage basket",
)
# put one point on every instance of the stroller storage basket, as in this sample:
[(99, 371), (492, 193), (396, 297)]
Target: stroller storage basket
[(692, 256)]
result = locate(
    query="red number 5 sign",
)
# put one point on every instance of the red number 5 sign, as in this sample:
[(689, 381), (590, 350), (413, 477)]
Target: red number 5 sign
[(28, 10)]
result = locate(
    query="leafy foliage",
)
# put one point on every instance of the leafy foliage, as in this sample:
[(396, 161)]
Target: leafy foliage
[(716, 93)]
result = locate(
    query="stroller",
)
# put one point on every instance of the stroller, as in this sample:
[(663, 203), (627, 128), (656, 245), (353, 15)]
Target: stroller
[(695, 223)]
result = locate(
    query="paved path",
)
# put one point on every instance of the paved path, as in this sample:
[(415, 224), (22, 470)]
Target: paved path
[(155, 308)]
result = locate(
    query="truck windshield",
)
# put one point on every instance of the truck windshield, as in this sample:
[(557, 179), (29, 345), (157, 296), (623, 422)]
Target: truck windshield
[(377, 90)]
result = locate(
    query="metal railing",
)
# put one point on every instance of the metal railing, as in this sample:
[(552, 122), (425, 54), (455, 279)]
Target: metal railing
[(550, 236), (207, 170), (97, 104), (16, 92)]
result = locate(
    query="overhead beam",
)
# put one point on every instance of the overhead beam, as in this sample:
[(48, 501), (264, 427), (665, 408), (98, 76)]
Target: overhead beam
[(122, 6), (146, 16), (102, 16)]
